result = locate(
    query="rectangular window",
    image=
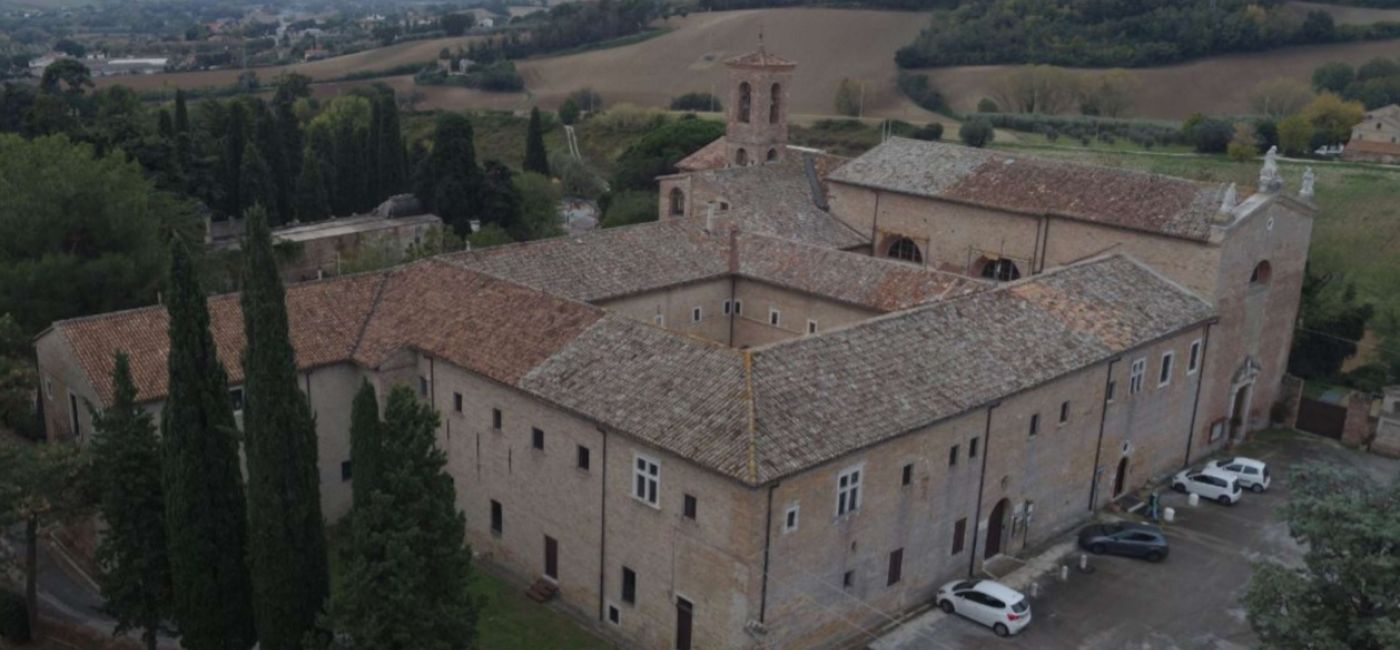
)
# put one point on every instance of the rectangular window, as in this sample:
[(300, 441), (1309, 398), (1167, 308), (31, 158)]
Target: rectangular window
[(774, 317), (695, 315), (790, 519), (972, 447), (583, 457), (537, 438), (614, 615), (907, 475), (1217, 430), (496, 419), (1135, 376), (1112, 388), (959, 533), (235, 397), (497, 518), (629, 586), (1064, 411), (896, 567), (1193, 360), (422, 386), (848, 491), (728, 307), (1035, 423), (1166, 375), (691, 506), (738, 307), (811, 327), (346, 471), (848, 579), (647, 483), (953, 455), (660, 320), (457, 402)]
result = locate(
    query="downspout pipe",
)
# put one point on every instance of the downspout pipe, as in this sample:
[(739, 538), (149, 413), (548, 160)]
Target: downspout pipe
[(1196, 405), (1103, 421), (981, 486), (767, 545)]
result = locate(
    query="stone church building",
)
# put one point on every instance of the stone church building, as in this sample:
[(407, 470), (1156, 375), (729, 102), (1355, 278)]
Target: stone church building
[(809, 393)]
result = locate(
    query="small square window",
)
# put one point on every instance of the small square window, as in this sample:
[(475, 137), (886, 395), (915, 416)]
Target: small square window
[(738, 307), (537, 438), (953, 455), (1035, 423), (1064, 411), (811, 327), (774, 317), (848, 579), (496, 419), (695, 315), (584, 461), (691, 506), (907, 474), (972, 447), (422, 386), (346, 471), (790, 519), (614, 615), (457, 402)]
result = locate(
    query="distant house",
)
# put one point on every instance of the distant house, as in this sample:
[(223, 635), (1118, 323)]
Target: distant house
[(1376, 138)]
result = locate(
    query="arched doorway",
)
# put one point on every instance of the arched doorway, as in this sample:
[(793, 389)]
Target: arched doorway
[(996, 525), (772, 155), (904, 248), (1120, 478), (741, 157), (1002, 270), (677, 202)]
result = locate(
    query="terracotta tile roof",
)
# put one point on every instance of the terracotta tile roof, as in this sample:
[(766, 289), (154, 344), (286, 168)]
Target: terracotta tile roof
[(324, 316), (1372, 146), (1022, 183), (777, 199), (710, 156)]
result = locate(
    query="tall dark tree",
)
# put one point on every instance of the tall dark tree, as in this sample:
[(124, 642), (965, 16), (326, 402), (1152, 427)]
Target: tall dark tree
[(235, 144), (268, 131), (286, 543), (182, 132), (407, 568), (205, 511), (255, 179), (182, 113), (389, 149), (449, 180), (132, 553), (312, 202), (536, 159), (366, 443), (1330, 319), (500, 200)]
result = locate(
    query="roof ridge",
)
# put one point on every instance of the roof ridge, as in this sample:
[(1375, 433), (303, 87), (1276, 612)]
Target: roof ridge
[(751, 416), (370, 313)]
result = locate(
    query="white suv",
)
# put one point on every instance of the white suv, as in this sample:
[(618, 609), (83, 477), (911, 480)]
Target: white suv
[(993, 604), (1253, 474), (1210, 483)]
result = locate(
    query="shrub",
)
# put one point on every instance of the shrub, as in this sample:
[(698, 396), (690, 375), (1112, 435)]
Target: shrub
[(1208, 134), (931, 132), (587, 99), (629, 118), (14, 618), (696, 102), (976, 132), (629, 207), (921, 92), (848, 97), (568, 111), (987, 105)]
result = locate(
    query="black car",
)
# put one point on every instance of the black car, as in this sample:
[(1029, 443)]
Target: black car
[(1125, 538)]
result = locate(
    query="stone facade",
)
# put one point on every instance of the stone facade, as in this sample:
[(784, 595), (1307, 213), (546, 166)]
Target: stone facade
[(1376, 138), (757, 108)]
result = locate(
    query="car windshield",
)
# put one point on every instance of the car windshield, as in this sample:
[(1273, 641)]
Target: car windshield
[(966, 584), (1020, 606)]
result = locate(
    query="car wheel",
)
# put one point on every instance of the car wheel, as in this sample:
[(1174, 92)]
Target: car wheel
[(1179, 487), (946, 606), (1224, 500), (1001, 630), (1097, 549), (1256, 488), (1154, 556)]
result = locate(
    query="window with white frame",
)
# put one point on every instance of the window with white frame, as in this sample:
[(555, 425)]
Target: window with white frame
[(1165, 376), (646, 486), (1193, 360), (790, 518), (848, 491), (1135, 375)]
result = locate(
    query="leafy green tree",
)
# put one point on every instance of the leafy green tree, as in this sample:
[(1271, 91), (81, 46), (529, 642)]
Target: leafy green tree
[(205, 511), (1295, 134), (449, 180), (135, 576), (286, 541), (65, 76), (1346, 594), (407, 568), (848, 97), (1330, 318), (366, 443), (1243, 145), (79, 234), (1332, 117), (536, 159), (41, 484), (18, 380), (539, 208), (627, 208), (489, 235), (976, 132), (1333, 77), (568, 111), (657, 152), (500, 198)]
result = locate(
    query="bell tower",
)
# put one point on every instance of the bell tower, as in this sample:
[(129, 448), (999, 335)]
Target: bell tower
[(757, 113)]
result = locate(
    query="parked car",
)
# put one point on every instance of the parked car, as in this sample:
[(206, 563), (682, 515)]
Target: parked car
[(990, 603), (1251, 473), (1210, 483), (1125, 538)]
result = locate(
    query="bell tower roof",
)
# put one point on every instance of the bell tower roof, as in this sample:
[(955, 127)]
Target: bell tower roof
[(760, 59)]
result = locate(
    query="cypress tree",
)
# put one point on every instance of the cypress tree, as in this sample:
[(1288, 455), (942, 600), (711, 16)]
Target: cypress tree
[(273, 150), (235, 144), (391, 163), (286, 541), (205, 513), (182, 114), (135, 576), (164, 126), (311, 201), (182, 133), (256, 184), (449, 180), (536, 160), (407, 568), (365, 443)]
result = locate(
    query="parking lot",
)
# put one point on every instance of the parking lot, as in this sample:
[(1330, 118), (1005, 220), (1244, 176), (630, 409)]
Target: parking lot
[(1189, 601)]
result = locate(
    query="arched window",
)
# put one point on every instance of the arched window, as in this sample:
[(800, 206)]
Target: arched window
[(1000, 270), (772, 155), (775, 103), (677, 202), (745, 101), (905, 249), (741, 157), (1260, 276)]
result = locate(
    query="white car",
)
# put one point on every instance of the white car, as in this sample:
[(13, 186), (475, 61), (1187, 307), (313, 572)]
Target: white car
[(1251, 473), (993, 604), (1210, 483)]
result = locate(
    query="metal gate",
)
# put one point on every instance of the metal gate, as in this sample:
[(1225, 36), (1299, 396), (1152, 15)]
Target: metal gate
[(1322, 418)]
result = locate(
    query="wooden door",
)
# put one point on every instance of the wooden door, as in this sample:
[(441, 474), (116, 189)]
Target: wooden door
[(684, 614), (995, 523)]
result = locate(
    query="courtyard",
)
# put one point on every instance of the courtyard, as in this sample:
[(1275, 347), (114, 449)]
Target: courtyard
[(1190, 601)]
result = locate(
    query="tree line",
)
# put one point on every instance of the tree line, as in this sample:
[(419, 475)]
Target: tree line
[(1131, 33), (568, 25)]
